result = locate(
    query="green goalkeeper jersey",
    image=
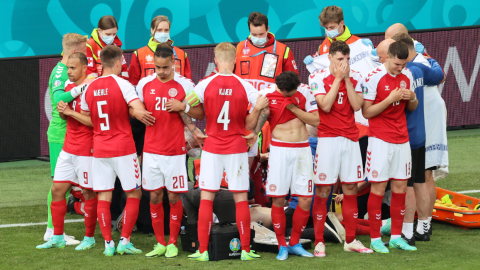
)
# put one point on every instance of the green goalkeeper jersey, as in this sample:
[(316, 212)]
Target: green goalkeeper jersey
[(58, 126)]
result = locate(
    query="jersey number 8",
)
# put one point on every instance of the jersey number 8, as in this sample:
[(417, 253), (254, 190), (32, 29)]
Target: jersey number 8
[(103, 126)]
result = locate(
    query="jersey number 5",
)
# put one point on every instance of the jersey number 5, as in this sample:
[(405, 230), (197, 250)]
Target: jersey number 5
[(223, 116), (103, 126)]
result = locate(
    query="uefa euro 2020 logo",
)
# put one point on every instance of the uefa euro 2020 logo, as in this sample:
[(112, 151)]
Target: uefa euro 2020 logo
[(235, 244)]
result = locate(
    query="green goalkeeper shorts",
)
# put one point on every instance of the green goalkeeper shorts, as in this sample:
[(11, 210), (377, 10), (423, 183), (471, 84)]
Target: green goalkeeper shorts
[(54, 149)]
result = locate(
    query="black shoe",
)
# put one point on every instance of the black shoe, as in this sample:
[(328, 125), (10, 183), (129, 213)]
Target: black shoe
[(421, 236), (329, 235), (71, 204), (410, 241), (430, 229)]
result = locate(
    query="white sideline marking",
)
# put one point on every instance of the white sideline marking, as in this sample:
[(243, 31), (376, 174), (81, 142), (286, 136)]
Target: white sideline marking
[(35, 224), (469, 191)]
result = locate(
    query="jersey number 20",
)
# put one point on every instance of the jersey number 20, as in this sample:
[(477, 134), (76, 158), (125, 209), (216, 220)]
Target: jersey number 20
[(103, 126), (223, 116)]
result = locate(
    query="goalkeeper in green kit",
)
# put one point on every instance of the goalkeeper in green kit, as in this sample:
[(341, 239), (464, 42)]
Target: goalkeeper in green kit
[(71, 43)]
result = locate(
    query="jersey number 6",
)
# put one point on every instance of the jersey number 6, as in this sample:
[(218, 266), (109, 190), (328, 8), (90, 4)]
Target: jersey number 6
[(103, 126)]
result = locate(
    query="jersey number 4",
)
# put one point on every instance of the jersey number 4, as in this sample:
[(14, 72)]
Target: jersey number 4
[(223, 116), (103, 126)]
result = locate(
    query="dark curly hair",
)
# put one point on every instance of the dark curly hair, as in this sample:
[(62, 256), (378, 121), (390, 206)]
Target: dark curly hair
[(287, 81), (398, 49), (339, 46)]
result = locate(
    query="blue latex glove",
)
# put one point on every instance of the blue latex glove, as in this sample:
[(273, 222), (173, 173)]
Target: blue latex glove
[(308, 60), (374, 52), (367, 42), (419, 48)]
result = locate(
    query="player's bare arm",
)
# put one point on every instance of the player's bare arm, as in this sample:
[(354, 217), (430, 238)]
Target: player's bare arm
[(175, 105), (197, 134), (65, 110), (251, 120), (412, 99), (310, 118), (262, 118), (137, 111), (370, 110), (325, 102), (355, 99)]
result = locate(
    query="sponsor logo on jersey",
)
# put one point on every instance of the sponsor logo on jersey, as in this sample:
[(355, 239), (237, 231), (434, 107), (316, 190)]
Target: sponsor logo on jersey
[(152, 91), (235, 244), (387, 87), (174, 217), (272, 188), (57, 83), (403, 84), (374, 174), (172, 92), (322, 177), (314, 86), (274, 101), (149, 58), (154, 215)]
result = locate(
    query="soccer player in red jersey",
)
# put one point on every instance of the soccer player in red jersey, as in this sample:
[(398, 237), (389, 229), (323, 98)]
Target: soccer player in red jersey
[(226, 98), (388, 90), (338, 92), (291, 106), (164, 150), (109, 100), (74, 164)]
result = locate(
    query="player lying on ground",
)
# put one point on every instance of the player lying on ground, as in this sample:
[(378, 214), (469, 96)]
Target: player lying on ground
[(338, 93), (164, 160), (74, 166), (290, 166)]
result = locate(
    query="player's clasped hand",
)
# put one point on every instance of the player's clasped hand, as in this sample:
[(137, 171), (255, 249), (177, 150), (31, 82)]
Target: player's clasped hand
[(251, 139), (396, 95), (63, 107), (262, 102), (174, 105), (144, 116), (407, 94), (199, 136)]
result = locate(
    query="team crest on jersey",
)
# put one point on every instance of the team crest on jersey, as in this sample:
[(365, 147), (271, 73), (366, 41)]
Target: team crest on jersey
[(314, 86), (403, 84), (57, 83), (149, 58), (322, 177), (272, 188), (172, 92), (374, 174), (246, 51)]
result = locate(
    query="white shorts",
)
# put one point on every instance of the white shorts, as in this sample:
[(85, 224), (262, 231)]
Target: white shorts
[(290, 168), (105, 170), (253, 152), (388, 161), (161, 171), (76, 170), (338, 157), (235, 166)]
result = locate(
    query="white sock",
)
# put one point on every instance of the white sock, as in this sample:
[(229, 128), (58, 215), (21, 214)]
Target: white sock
[(125, 241), (384, 221), (429, 219), (109, 244), (407, 230), (422, 226), (393, 237), (375, 239), (49, 230)]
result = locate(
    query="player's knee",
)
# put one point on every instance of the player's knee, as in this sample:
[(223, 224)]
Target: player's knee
[(137, 193), (278, 202), (88, 194), (156, 197), (173, 198), (59, 190), (323, 191), (305, 203)]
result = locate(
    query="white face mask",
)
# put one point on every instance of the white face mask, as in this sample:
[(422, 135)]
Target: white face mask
[(108, 39), (332, 33), (162, 36), (258, 41)]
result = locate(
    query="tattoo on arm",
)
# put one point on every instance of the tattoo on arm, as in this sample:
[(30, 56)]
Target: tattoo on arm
[(262, 118), (187, 120)]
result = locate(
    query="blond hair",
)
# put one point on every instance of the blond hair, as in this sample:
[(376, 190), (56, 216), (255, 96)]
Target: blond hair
[(331, 14), (71, 40), (225, 52), (158, 19)]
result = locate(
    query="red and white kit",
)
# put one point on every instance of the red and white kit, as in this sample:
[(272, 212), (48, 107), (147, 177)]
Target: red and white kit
[(74, 163), (164, 150), (114, 153), (338, 152), (290, 163), (226, 99), (388, 152)]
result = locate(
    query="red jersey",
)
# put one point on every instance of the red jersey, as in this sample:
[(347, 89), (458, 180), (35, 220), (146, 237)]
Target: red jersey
[(340, 121), (279, 114), (79, 138), (166, 136), (225, 99), (107, 100), (391, 124)]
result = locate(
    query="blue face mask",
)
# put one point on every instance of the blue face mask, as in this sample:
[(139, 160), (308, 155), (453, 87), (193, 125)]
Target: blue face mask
[(108, 39), (258, 41), (162, 37), (332, 33)]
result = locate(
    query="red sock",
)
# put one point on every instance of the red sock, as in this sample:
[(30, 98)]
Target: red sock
[(78, 208), (319, 216), (374, 208), (279, 223), (130, 215), (90, 216), (205, 220), (362, 230), (59, 209), (104, 219), (397, 212), (176, 214), (350, 215), (156, 211), (300, 219), (363, 222), (243, 224)]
